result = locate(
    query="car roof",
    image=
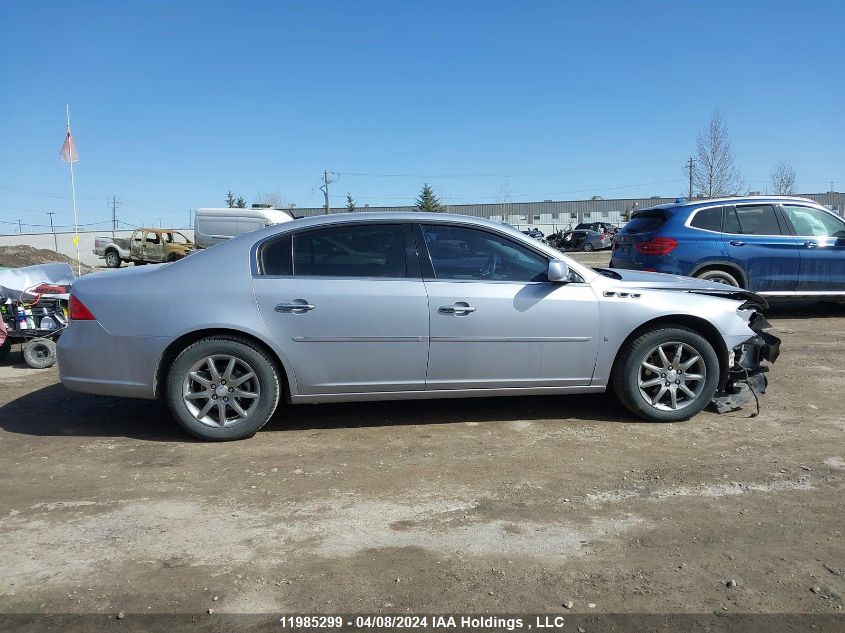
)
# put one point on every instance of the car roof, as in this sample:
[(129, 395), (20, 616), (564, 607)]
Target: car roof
[(693, 204)]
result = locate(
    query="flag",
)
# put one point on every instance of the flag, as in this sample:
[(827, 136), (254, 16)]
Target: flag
[(69, 153)]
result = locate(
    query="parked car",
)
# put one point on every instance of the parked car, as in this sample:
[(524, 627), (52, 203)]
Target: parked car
[(773, 245), (581, 240), (537, 234), (383, 306), (144, 246), (600, 227), (212, 226)]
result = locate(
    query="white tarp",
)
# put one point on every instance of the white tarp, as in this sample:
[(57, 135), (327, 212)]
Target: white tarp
[(16, 280)]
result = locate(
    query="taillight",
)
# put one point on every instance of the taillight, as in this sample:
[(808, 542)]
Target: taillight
[(657, 246), (78, 311)]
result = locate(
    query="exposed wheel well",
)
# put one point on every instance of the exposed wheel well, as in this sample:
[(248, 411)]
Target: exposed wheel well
[(174, 349), (702, 326), (733, 269)]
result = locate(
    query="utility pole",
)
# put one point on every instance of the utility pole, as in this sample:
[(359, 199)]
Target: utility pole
[(690, 166), (20, 230), (159, 223), (53, 231), (114, 204), (325, 189)]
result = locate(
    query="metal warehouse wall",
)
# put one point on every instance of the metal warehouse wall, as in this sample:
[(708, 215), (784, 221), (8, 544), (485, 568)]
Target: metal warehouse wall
[(551, 216)]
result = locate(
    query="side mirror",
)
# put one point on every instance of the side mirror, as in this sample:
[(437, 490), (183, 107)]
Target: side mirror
[(558, 271)]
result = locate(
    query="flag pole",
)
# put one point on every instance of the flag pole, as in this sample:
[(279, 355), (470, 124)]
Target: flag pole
[(73, 195)]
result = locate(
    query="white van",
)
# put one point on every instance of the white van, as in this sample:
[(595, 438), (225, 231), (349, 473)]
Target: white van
[(212, 226)]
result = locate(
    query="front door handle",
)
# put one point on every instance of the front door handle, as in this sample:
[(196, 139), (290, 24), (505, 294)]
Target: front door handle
[(458, 308), (812, 244), (737, 243), (297, 306)]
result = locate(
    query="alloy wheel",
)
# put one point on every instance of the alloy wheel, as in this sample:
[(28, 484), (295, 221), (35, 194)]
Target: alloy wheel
[(221, 390), (672, 376)]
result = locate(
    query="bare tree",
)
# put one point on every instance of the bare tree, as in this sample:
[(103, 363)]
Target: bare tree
[(504, 201), (271, 197), (716, 173), (783, 178)]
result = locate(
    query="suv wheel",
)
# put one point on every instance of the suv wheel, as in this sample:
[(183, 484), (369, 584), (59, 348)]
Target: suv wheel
[(222, 388), (667, 374), (720, 277)]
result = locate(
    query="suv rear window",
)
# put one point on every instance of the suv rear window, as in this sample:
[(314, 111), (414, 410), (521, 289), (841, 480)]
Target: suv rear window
[(645, 222), (708, 219)]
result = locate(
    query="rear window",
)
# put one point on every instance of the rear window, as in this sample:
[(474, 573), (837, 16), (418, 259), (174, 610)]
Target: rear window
[(645, 222), (708, 219)]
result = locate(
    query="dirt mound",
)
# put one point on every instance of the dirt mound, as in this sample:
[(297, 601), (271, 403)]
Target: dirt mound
[(22, 255)]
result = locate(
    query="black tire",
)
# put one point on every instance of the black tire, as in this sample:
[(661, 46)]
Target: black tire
[(625, 377), (113, 259), (39, 353), (720, 277), (5, 348), (174, 257), (587, 247), (266, 376)]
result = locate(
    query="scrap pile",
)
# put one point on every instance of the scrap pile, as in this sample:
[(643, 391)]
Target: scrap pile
[(33, 310)]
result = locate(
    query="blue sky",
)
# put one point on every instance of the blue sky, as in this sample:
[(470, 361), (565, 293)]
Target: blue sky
[(174, 103)]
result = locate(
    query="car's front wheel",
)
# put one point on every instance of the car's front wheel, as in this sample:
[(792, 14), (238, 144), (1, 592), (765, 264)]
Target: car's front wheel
[(666, 374), (112, 259), (222, 388)]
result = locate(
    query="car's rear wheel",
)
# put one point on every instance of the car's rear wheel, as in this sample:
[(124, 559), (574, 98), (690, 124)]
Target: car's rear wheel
[(587, 247), (222, 388), (666, 374), (112, 259), (719, 276)]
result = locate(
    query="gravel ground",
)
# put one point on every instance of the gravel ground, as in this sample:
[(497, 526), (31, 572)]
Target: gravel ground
[(496, 505)]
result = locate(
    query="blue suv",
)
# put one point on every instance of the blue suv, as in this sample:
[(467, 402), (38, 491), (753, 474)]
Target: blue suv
[(775, 246)]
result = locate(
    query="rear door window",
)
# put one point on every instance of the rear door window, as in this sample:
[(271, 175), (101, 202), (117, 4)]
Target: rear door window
[(708, 219), (350, 251), (753, 219), (645, 222)]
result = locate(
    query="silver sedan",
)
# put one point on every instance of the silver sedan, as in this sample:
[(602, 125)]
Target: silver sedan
[(399, 306)]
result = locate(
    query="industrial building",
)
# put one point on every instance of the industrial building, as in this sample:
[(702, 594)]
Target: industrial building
[(554, 215)]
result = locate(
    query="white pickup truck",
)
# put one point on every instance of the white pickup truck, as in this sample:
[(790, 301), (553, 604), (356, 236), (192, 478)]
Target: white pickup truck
[(144, 246)]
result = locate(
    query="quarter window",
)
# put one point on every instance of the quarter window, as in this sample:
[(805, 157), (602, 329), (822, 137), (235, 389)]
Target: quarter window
[(463, 253), (708, 219), (756, 219), (275, 257), (350, 251), (813, 222)]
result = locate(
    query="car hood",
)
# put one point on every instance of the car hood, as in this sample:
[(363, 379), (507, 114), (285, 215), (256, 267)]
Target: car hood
[(678, 283)]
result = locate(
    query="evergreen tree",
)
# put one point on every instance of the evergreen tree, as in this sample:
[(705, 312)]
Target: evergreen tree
[(427, 201), (350, 203), (240, 203), (230, 199)]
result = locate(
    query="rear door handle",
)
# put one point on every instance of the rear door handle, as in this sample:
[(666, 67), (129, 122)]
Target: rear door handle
[(737, 243), (296, 307), (812, 244), (458, 308)]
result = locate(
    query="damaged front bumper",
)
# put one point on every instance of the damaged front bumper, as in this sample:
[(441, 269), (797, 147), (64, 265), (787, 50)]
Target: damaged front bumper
[(746, 378)]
